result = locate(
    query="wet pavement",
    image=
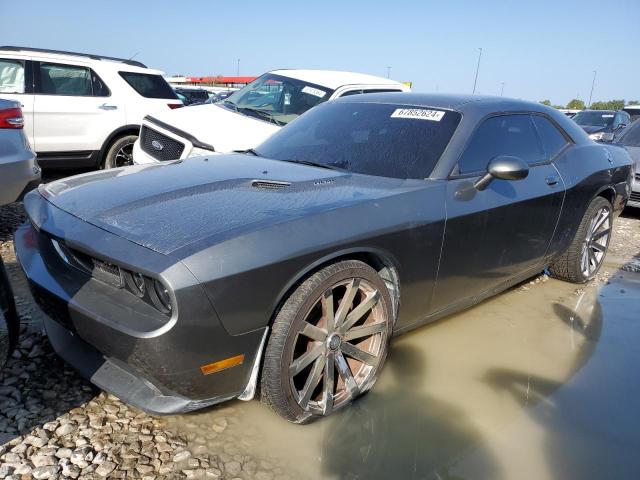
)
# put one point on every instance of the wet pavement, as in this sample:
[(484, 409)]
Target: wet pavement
[(538, 383), (541, 382)]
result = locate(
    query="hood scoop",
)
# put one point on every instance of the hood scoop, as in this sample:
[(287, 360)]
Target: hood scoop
[(269, 184)]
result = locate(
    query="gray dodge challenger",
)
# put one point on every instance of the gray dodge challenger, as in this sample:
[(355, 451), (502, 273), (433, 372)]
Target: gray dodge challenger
[(285, 270)]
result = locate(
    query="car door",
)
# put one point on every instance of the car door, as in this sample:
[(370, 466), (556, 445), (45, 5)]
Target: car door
[(504, 231), (72, 108), (16, 83)]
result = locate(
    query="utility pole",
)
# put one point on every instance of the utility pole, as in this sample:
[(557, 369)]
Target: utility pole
[(388, 72), (238, 69), (477, 70), (502, 89), (592, 84)]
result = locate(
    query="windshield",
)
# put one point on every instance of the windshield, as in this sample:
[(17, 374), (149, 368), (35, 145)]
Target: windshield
[(368, 138), (594, 119), (277, 98)]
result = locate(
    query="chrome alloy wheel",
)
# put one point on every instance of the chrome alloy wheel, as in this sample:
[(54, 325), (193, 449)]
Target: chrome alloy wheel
[(596, 242), (339, 347)]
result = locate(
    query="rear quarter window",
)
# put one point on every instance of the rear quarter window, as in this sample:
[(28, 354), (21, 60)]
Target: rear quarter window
[(149, 85)]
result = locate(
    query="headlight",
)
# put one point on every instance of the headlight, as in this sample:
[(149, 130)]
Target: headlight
[(151, 290), (164, 299), (197, 151)]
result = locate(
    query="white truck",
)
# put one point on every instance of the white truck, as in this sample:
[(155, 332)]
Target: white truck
[(250, 115)]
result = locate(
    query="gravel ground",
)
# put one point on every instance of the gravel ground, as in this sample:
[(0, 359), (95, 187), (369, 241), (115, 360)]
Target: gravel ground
[(54, 424)]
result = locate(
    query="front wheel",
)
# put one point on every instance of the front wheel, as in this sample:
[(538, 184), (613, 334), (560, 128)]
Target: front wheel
[(120, 153), (584, 257), (328, 343)]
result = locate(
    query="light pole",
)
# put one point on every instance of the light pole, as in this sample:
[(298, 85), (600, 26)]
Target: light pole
[(238, 68), (592, 84), (388, 72), (477, 70), (502, 89)]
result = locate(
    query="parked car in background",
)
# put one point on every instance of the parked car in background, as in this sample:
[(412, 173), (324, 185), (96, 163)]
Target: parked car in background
[(19, 173), (19, 170), (633, 111), (249, 115), (186, 283), (630, 139), (602, 125), (193, 96), (81, 110)]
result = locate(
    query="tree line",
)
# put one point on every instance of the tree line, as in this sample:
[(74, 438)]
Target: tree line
[(577, 104)]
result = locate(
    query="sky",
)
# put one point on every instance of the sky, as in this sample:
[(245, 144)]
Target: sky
[(538, 49)]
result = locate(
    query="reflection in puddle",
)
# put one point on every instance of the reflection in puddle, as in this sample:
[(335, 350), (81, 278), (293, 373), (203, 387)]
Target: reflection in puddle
[(533, 384)]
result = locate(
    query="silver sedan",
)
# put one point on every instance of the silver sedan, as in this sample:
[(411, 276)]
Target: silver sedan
[(19, 171)]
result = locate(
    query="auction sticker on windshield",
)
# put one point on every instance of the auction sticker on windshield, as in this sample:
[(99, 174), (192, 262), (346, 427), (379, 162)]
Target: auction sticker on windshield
[(418, 113), (316, 92)]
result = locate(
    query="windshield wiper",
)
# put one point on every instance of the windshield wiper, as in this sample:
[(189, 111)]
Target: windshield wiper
[(250, 151), (317, 164), (230, 104), (263, 113)]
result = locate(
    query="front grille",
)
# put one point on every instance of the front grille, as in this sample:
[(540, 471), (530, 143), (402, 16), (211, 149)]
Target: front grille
[(159, 146), (635, 197), (99, 269), (107, 272)]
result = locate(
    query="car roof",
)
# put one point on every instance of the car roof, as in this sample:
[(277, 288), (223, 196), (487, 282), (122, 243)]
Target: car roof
[(335, 78), (459, 102), (115, 63)]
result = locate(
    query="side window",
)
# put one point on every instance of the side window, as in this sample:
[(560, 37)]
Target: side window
[(58, 79), (351, 92), (11, 76), (381, 90), (552, 140), (502, 135), (100, 89)]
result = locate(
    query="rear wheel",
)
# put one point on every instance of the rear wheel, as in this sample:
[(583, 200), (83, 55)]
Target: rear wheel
[(584, 257), (328, 343), (120, 153)]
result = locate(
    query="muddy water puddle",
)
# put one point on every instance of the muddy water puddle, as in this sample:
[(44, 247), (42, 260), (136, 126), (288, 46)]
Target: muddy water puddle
[(541, 382)]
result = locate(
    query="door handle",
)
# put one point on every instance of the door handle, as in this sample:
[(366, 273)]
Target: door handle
[(104, 106), (551, 181)]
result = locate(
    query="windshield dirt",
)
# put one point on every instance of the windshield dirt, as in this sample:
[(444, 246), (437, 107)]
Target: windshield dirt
[(373, 139)]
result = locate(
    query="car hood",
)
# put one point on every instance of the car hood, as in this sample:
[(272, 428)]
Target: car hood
[(218, 126), (172, 205), (593, 129)]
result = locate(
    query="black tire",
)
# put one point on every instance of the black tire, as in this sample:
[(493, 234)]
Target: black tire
[(570, 266), (120, 152), (308, 305), (9, 321)]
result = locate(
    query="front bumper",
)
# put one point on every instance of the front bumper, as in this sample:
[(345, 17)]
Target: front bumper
[(119, 342)]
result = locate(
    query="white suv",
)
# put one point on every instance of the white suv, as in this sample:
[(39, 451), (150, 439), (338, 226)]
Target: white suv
[(81, 110), (250, 115)]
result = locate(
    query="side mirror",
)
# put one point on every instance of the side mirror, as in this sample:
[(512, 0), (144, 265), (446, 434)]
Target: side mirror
[(503, 167), (621, 126)]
